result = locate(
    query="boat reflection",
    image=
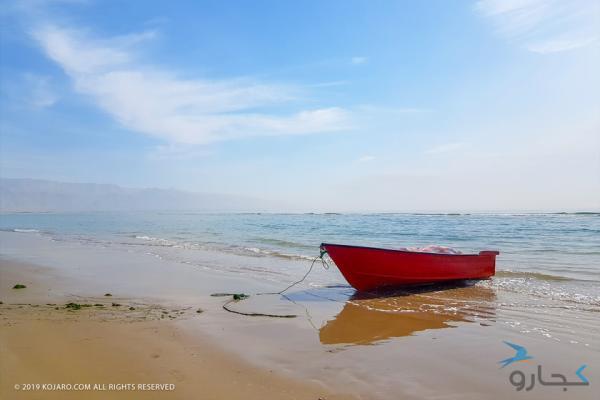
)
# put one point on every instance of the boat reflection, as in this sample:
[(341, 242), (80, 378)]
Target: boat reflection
[(370, 319)]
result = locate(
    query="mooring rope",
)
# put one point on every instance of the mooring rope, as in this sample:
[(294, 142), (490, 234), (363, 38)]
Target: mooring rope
[(255, 314), (323, 263), (241, 296)]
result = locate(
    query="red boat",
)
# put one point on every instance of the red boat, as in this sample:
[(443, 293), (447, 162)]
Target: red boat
[(368, 268)]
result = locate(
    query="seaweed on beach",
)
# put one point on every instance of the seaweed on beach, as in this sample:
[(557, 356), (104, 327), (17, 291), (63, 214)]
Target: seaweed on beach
[(241, 296), (236, 296), (19, 286), (76, 306)]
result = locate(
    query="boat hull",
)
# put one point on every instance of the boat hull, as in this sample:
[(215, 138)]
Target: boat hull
[(369, 268)]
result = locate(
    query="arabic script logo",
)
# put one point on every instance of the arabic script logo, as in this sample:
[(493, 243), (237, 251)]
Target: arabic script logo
[(520, 355), (521, 380)]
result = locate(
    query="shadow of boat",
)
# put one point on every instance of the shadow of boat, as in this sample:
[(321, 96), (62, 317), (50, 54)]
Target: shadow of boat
[(371, 318)]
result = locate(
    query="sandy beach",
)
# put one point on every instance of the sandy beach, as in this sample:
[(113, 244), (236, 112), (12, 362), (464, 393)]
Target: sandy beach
[(161, 326), (117, 349)]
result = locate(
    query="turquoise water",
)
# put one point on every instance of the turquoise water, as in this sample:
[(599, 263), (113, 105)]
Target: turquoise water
[(549, 257), (557, 245)]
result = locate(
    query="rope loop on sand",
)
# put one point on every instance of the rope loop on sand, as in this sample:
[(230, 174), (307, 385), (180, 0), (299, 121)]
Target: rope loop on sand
[(236, 297), (255, 314)]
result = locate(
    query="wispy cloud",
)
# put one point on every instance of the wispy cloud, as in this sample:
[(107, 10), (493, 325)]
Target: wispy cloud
[(359, 60), (40, 93), (156, 101), (366, 158), (545, 26), (554, 46), (176, 151), (378, 109), (445, 148), (329, 84)]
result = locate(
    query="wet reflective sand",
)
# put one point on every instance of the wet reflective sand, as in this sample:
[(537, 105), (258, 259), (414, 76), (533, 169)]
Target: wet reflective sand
[(366, 319)]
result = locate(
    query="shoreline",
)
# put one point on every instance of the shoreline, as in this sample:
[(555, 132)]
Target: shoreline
[(421, 344)]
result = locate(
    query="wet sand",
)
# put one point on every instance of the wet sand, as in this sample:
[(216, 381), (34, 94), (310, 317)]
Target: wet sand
[(48, 343), (432, 342)]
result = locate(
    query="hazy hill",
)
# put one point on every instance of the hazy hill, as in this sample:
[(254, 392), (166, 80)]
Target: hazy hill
[(42, 195)]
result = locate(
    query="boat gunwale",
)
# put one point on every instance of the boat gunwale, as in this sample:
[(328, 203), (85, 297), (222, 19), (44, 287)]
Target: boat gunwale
[(409, 251)]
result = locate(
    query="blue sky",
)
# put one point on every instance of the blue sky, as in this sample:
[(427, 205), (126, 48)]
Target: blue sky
[(336, 105)]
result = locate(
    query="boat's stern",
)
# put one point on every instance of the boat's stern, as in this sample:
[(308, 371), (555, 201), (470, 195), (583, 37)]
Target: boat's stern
[(489, 253)]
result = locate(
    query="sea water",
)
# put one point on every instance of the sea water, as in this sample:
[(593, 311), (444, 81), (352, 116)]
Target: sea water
[(548, 255)]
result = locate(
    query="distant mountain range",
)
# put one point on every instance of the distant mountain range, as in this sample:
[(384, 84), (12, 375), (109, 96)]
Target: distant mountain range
[(35, 195)]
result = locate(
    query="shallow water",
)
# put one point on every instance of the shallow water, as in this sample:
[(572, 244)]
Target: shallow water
[(554, 256)]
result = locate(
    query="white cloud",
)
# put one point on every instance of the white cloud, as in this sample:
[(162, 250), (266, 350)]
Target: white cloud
[(359, 60), (445, 148), (158, 102), (545, 26)]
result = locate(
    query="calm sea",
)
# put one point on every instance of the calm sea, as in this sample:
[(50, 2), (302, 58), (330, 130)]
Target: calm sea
[(541, 253)]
